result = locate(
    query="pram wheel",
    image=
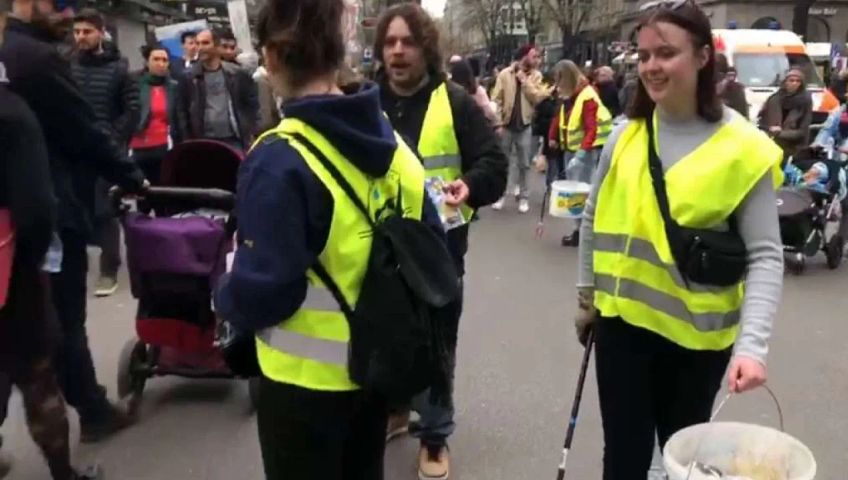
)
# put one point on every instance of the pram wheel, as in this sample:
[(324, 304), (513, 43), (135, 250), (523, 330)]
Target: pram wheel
[(131, 375), (834, 251), (253, 391)]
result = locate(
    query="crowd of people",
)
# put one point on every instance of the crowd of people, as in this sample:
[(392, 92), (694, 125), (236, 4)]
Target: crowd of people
[(328, 153)]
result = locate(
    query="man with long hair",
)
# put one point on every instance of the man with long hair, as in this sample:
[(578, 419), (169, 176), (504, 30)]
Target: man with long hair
[(460, 150)]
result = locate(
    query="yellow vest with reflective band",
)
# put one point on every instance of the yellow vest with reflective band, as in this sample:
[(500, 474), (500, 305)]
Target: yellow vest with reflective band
[(635, 274), (310, 349), (437, 144), (574, 128)]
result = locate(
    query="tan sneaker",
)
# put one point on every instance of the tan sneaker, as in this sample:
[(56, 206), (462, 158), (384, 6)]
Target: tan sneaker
[(398, 426), (433, 462)]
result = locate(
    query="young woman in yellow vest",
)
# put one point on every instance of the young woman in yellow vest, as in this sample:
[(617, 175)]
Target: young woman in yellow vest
[(663, 341), (314, 422), (584, 126)]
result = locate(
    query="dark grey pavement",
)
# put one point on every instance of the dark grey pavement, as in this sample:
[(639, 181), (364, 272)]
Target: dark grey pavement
[(516, 372)]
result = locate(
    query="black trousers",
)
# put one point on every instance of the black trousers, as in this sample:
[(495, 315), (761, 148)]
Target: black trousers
[(73, 361), (311, 435), (649, 386), (150, 162)]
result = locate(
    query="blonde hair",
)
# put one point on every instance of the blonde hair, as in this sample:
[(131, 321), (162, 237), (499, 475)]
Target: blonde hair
[(568, 77)]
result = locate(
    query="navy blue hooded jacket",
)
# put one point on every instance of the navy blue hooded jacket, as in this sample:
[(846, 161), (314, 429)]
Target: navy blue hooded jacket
[(284, 211)]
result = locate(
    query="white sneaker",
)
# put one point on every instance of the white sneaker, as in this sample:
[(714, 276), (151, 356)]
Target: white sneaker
[(523, 206), (498, 205)]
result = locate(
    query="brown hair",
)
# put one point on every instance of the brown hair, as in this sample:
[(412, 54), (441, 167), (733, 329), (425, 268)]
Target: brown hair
[(90, 15), (568, 77), (423, 28), (691, 18), (305, 36)]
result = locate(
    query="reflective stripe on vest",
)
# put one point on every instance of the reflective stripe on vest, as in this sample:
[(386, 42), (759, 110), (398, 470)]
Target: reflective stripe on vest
[(436, 162), (310, 348), (636, 277), (437, 144), (327, 351), (574, 128)]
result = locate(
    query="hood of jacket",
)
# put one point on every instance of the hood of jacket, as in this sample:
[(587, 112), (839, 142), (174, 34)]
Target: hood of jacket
[(353, 123)]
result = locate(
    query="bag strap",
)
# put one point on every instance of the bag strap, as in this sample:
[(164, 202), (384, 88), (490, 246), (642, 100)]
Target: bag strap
[(331, 285), (336, 174), (658, 181), (657, 176)]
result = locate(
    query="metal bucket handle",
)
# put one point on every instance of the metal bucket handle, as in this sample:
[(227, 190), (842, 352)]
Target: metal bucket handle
[(719, 409), (771, 394)]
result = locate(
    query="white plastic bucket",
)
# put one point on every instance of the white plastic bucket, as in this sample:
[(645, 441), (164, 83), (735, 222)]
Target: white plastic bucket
[(568, 198), (729, 446)]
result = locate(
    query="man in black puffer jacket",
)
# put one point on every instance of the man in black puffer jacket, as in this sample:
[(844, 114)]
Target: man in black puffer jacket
[(104, 79)]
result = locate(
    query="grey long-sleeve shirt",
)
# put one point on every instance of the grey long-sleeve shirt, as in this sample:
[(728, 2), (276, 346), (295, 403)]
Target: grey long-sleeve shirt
[(756, 217)]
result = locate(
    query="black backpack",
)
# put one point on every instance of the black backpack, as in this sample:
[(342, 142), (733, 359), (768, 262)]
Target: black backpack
[(396, 346)]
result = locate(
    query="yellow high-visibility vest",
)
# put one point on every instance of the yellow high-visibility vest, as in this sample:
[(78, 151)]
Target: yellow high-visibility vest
[(635, 274), (310, 349), (437, 144), (574, 127)]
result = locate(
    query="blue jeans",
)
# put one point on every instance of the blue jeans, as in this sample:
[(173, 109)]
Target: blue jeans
[(522, 142), (436, 423)]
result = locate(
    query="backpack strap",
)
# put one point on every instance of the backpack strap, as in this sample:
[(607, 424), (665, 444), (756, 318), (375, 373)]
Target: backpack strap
[(336, 174), (317, 267)]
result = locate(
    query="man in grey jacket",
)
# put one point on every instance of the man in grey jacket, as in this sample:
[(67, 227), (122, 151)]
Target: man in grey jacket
[(219, 98)]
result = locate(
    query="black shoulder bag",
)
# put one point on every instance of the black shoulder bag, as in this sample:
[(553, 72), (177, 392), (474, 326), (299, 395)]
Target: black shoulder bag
[(703, 256)]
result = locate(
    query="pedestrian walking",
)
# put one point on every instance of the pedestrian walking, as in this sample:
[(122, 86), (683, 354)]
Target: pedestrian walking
[(161, 121), (188, 40), (229, 47), (518, 89), (219, 98), (461, 74), (103, 77), (28, 328), (304, 243), (607, 90), (664, 328), (458, 147), (583, 126), (729, 90), (75, 145), (787, 114)]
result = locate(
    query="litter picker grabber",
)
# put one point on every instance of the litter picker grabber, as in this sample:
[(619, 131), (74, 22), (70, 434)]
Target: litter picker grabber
[(575, 406)]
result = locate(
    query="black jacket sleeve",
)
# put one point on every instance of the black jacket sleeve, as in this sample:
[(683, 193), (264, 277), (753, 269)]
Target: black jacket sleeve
[(130, 104), (29, 191), (71, 124), (484, 164)]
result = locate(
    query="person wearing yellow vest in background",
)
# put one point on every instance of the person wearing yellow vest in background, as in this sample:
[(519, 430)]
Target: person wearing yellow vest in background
[(460, 153), (314, 422), (584, 124), (663, 341)]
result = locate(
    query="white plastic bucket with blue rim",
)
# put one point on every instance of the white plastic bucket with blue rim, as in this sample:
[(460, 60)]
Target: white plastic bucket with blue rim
[(568, 198)]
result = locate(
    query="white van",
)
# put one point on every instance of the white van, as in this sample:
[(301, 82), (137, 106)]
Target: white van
[(762, 58)]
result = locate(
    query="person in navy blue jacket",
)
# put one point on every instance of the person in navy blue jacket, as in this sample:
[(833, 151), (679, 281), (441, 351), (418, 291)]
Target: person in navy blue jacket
[(284, 216)]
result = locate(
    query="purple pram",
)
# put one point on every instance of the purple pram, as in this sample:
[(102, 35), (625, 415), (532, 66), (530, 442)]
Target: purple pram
[(176, 252)]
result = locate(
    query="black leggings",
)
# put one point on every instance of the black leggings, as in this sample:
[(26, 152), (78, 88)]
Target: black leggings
[(649, 386), (311, 435)]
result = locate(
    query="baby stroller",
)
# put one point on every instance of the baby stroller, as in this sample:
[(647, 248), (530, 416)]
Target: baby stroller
[(804, 214), (177, 243)]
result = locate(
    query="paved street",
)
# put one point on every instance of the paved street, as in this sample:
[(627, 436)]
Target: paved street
[(517, 368)]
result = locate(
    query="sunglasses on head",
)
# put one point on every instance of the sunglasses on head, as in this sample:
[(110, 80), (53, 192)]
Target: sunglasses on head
[(664, 5)]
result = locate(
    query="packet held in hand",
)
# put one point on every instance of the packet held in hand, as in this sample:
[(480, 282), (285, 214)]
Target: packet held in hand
[(451, 217)]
